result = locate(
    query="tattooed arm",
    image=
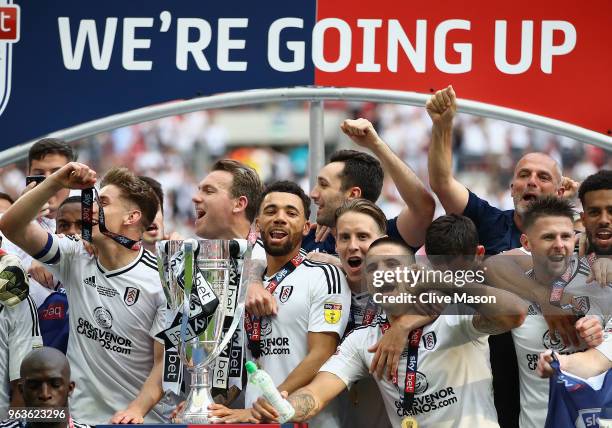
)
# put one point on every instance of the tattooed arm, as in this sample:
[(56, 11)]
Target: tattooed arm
[(306, 404), (307, 401)]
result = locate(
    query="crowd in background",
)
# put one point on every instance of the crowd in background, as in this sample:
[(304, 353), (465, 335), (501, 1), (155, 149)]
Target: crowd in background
[(175, 151)]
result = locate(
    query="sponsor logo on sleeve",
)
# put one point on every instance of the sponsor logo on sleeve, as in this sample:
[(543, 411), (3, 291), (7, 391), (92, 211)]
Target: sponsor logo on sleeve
[(55, 311), (332, 312)]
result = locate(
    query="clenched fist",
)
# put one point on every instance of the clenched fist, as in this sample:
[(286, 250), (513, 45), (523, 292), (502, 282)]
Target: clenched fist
[(442, 106)]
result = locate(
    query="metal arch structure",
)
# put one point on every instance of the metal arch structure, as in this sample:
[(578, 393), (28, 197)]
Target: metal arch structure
[(316, 96)]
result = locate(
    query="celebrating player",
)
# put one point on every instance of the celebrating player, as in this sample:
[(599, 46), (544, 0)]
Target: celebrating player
[(227, 201), (44, 158), (116, 300), (549, 235), (535, 174), (440, 380), (226, 205), (313, 301), (360, 222)]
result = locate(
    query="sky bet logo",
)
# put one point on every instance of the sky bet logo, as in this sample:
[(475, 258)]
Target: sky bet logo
[(9, 34)]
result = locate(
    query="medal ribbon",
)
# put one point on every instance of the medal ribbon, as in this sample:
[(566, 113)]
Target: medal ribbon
[(370, 312), (558, 286), (87, 200), (252, 324), (414, 339)]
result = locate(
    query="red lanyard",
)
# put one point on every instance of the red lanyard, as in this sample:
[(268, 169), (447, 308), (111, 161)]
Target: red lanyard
[(370, 312), (558, 286), (252, 324), (591, 259), (87, 200), (414, 339)]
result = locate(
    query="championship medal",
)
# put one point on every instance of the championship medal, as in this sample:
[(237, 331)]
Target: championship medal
[(409, 422)]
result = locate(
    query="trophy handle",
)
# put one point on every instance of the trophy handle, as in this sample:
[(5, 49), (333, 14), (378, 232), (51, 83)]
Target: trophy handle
[(188, 284), (162, 266), (239, 306)]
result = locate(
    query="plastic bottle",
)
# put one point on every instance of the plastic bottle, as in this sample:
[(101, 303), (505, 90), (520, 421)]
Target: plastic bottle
[(266, 385)]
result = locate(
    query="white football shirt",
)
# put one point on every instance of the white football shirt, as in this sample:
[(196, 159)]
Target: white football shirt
[(453, 382), (114, 317), (533, 337), (19, 334), (362, 406), (313, 298)]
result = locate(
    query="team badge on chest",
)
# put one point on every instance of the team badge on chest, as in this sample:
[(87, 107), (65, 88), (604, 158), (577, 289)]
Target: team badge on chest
[(131, 295), (429, 340), (285, 293)]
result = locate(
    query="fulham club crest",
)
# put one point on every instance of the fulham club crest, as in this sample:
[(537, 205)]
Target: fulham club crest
[(429, 340), (285, 293), (131, 295)]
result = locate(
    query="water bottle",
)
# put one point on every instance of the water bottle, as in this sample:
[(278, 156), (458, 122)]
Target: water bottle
[(266, 385)]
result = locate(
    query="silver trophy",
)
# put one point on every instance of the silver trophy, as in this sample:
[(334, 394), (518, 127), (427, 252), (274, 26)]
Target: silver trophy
[(196, 279)]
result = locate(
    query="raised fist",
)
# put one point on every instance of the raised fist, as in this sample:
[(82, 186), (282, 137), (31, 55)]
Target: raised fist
[(442, 106)]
